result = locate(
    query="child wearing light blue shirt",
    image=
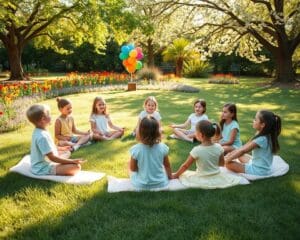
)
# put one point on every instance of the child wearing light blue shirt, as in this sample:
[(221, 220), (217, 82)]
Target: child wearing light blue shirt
[(263, 145), (230, 130), (149, 163), (44, 155)]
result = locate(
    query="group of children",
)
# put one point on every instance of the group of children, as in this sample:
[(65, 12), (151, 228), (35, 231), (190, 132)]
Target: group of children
[(149, 165)]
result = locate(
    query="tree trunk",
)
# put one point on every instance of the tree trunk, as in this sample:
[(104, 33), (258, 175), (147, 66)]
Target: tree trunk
[(150, 53), (179, 67), (15, 64), (284, 68)]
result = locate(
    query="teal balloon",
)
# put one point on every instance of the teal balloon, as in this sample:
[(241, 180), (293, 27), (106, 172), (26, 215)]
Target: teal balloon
[(139, 65), (123, 56)]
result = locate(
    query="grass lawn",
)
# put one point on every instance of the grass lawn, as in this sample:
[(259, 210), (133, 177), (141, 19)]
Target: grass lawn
[(266, 209)]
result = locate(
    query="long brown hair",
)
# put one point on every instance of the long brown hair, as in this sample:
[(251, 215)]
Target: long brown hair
[(94, 109), (272, 128), (232, 109), (148, 132)]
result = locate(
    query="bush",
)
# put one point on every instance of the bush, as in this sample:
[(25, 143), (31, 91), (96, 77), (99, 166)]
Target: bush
[(196, 68), (149, 73), (223, 79)]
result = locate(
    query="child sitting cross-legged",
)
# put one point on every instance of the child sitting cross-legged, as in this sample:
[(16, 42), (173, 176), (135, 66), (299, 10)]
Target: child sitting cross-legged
[(44, 155), (208, 157), (149, 163)]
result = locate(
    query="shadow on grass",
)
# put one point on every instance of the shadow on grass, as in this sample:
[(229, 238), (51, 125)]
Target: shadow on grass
[(13, 183), (190, 214)]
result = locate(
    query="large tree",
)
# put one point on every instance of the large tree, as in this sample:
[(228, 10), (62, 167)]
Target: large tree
[(245, 26), (51, 23), (160, 24)]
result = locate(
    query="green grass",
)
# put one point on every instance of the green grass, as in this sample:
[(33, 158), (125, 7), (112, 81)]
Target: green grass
[(266, 209)]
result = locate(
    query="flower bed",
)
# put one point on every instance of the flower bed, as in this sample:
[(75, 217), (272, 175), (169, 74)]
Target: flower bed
[(16, 95), (223, 79)]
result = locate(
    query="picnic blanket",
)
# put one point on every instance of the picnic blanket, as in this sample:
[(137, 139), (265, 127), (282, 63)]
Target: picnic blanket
[(124, 185), (82, 177), (279, 167)]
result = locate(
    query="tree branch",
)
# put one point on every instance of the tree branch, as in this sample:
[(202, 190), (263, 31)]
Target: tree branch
[(52, 19)]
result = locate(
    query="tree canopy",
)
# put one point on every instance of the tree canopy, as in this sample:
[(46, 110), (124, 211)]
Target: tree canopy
[(51, 23), (246, 26)]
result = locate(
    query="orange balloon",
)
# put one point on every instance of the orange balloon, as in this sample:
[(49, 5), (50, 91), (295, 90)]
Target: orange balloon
[(131, 60), (130, 69)]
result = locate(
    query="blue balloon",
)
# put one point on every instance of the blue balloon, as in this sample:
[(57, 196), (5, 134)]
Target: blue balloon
[(125, 49), (130, 46)]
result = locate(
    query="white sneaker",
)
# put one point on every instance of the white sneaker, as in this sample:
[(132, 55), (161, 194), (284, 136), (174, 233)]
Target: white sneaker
[(86, 144), (173, 136), (75, 148)]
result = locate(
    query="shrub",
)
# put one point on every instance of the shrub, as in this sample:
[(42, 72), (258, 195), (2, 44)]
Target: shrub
[(196, 68), (224, 79), (149, 73)]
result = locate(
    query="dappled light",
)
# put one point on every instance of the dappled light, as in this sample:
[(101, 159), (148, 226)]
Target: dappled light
[(34, 208)]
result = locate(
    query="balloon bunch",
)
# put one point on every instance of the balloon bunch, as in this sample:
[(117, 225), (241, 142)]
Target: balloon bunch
[(131, 57)]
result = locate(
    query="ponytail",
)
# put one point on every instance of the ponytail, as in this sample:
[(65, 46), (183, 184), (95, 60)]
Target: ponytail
[(272, 128)]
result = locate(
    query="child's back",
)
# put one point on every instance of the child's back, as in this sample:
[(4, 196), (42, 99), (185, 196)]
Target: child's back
[(151, 172), (149, 163), (207, 158)]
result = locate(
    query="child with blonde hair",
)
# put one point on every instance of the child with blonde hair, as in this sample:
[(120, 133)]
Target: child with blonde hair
[(230, 130), (263, 145), (100, 121), (208, 157), (180, 131), (65, 128), (150, 109), (149, 163), (44, 155)]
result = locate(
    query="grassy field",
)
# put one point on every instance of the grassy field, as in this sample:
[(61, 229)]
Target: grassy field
[(266, 209)]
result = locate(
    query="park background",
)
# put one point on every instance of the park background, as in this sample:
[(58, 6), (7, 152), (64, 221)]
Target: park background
[(244, 51)]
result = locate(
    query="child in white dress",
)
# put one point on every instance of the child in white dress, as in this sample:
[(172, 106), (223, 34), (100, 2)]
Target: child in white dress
[(101, 122), (150, 109), (180, 131), (46, 158), (208, 157)]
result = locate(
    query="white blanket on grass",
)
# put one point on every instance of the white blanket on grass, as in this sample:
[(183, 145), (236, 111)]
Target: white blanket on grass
[(82, 177), (279, 167)]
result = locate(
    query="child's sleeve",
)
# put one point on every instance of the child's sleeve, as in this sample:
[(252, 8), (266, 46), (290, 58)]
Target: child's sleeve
[(165, 149), (205, 117), (134, 152), (92, 118), (44, 145), (235, 125), (193, 153), (262, 141), (158, 116)]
